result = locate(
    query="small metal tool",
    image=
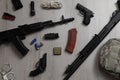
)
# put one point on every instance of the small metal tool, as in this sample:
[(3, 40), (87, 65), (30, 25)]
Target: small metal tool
[(5, 72)]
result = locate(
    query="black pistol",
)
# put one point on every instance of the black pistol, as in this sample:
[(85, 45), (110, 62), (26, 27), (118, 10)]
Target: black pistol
[(41, 66), (86, 12), (17, 34)]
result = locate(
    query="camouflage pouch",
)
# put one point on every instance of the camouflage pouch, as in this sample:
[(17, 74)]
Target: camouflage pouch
[(110, 57)]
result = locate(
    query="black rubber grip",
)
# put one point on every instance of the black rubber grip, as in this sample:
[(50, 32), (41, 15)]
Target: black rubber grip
[(50, 36), (20, 46)]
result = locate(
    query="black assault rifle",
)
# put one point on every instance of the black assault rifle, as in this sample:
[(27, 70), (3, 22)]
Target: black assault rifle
[(17, 34), (87, 50)]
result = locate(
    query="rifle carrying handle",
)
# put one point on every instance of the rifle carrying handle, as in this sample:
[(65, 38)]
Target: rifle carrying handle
[(71, 40), (86, 19), (20, 46)]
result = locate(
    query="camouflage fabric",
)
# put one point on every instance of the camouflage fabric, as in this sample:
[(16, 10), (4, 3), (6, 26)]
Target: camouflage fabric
[(51, 5), (110, 57)]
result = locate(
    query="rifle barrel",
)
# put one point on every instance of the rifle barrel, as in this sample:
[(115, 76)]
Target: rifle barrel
[(89, 48)]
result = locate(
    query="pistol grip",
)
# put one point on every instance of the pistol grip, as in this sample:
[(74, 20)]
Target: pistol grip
[(20, 46), (86, 19), (71, 40)]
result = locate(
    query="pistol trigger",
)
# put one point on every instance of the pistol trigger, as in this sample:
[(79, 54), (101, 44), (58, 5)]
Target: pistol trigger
[(37, 64), (81, 13)]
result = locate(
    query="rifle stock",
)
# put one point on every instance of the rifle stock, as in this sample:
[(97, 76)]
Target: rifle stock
[(17, 34)]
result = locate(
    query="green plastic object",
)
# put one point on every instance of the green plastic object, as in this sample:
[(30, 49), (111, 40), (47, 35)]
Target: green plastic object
[(57, 50)]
